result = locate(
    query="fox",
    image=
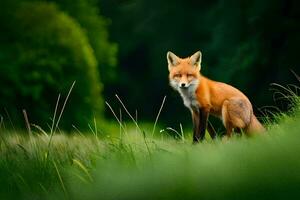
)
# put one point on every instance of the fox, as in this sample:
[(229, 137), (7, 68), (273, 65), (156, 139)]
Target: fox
[(203, 96)]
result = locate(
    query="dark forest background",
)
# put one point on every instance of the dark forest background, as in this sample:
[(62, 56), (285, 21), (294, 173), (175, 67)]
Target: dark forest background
[(119, 47)]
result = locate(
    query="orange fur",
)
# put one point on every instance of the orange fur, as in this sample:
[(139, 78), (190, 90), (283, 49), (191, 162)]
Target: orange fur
[(211, 97)]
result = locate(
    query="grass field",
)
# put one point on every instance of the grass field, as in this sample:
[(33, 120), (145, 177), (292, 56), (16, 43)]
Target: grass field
[(134, 165)]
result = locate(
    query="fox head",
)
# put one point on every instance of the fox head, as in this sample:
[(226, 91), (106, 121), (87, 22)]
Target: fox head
[(184, 72)]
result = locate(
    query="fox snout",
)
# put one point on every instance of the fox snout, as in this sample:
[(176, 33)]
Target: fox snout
[(183, 85), (183, 82)]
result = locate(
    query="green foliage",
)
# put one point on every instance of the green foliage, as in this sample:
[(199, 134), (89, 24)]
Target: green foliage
[(43, 50), (87, 15)]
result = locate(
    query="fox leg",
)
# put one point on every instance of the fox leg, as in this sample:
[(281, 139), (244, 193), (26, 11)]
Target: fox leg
[(203, 122), (236, 114), (229, 130), (211, 130), (200, 118), (196, 124), (226, 119)]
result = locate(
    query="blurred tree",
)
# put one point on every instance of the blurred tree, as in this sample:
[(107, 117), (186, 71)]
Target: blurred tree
[(43, 50), (87, 14)]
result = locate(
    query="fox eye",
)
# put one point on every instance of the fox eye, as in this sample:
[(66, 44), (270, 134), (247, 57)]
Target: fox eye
[(190, 75), (177, 75)]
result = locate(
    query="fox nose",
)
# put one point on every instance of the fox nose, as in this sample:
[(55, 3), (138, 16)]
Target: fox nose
[(182, 85)]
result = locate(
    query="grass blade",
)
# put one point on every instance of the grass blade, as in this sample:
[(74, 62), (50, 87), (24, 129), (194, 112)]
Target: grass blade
[(54, 115), (158, 114), (60, 179), (64, 105), (113, 112), (132, 118), (83, 168)]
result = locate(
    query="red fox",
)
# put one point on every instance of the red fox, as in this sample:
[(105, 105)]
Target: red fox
[(204, 96)]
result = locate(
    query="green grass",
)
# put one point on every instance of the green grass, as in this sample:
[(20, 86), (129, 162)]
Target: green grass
[(139, 166)]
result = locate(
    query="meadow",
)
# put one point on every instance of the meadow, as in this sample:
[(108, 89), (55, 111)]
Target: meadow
[(144, 162)]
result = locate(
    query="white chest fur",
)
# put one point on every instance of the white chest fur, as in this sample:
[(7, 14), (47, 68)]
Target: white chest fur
[(189, 96)]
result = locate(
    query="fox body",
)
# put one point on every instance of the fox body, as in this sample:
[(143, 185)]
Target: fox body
[(204, 96)]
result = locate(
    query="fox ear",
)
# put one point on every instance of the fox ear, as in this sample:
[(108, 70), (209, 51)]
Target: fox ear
[(196, 59), (173, 60)]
